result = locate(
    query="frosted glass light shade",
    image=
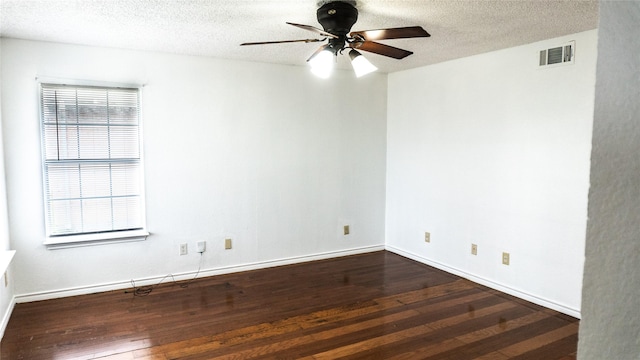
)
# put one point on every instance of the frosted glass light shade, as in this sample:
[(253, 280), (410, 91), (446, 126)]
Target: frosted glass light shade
[(361, 66), (322, 64)]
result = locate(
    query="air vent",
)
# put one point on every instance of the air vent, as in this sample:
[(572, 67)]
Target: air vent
[(561, 55)]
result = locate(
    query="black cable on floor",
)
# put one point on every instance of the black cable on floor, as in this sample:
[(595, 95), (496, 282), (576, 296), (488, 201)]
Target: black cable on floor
[(146, 290)]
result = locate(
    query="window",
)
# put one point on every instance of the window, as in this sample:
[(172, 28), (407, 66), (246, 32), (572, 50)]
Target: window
[(91, 163)]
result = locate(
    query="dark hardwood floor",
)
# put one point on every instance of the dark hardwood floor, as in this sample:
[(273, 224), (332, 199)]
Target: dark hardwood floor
[(371, 306)]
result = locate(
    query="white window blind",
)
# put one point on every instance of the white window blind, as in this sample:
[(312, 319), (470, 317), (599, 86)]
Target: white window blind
[(91, 159)]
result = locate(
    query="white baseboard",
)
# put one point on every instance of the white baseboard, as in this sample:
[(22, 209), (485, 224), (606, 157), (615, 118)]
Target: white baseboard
[(488, 283), (6, 316), (122, 285)]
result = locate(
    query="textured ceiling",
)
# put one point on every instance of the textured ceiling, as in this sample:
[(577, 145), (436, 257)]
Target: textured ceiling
[(216, 27)]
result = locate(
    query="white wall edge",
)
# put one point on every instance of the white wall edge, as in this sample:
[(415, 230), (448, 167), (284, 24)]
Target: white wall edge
[(488, 283), (123, 285), (6, 317)]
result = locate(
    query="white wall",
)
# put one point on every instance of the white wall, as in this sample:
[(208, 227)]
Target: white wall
[(265, 154), (492, 150), (610, 326), (6, 292), (487, 150)]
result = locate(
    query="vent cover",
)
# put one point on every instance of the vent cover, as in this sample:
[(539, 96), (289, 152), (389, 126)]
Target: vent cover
[(561, 55)]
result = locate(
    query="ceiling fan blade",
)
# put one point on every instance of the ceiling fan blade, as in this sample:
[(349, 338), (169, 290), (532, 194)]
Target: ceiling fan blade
[(320, 49), (281, 42), (392, 33), (381, 49), (314, 29)]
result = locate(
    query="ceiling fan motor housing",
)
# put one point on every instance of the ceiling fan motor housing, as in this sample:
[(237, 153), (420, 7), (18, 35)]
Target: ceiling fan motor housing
[(337, 17)]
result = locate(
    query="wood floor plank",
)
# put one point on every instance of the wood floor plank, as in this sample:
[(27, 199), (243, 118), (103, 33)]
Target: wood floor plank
[(371, 306), (293, 324), (324, 318), (347, 332), (478, 335), (496, 343), (540, 341), (399, 332)]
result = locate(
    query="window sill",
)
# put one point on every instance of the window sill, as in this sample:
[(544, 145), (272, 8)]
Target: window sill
[(5, 259), (72, 241)]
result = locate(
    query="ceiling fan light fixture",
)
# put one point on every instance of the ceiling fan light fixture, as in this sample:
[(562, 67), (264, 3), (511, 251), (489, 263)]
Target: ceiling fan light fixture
[(361, 66), (322, 64), (337, 18)]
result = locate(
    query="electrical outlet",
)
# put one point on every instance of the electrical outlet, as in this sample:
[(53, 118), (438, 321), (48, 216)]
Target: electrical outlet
[(474, 249), (227, 244), (183, 249), (427, 237), (505, 258), (346, 229), (202, 246)]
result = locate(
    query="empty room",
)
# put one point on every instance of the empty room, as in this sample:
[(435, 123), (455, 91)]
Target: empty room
[(278, 179)]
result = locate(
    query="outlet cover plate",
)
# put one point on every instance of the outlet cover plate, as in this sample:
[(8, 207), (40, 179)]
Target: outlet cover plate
[(505, 258)]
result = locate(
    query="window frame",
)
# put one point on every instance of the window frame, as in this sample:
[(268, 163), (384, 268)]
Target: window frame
[(61, 241)]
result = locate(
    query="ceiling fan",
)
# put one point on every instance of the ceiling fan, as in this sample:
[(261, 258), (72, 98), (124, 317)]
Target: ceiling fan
[(337, 18)]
